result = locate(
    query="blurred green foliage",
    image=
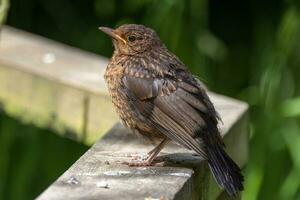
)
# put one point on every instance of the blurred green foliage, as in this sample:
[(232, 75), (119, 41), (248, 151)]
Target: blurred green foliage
[(31, 158), (245, 49), (3, 10)]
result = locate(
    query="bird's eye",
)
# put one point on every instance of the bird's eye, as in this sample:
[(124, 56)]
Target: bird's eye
[(131, 38)]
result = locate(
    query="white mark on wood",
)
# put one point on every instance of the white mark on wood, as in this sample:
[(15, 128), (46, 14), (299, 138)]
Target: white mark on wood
[(116, 173), (49, 58), (72, 180), (180, 174), (102, 184)]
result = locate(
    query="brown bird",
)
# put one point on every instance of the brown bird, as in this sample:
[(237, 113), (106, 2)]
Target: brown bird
[(155, 95)]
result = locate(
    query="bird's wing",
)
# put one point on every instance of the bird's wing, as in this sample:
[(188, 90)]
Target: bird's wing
[(176, 108)]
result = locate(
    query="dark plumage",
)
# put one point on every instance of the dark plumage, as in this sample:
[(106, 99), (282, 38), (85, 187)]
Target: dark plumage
[(156, 96)]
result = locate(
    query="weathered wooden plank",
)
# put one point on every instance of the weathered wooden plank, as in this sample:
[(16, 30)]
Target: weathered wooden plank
[(98, 174), (54, 85)]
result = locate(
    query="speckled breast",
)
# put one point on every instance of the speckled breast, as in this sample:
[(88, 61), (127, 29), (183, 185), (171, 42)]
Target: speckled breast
[(113, 77)]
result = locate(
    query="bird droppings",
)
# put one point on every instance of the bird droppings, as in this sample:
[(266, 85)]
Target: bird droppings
[(73, 181), (102, 184)]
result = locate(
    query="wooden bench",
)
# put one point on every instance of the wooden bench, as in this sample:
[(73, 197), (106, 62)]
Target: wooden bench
[(62, 88)]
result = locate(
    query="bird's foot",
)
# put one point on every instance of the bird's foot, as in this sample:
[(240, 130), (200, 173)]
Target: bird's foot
[(143, 160), (138, 156)]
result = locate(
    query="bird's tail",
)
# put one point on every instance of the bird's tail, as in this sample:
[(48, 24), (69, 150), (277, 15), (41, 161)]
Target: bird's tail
[(226, 172)]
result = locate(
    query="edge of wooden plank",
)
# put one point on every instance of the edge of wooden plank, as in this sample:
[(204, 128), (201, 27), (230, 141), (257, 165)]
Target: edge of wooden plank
[(103, 160), (71, 86)]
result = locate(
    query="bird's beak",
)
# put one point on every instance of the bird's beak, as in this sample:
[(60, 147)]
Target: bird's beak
[(111, 32)]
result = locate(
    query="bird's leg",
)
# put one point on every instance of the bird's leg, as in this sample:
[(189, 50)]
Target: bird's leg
[(158, 147), (152, 155), (154, 152)]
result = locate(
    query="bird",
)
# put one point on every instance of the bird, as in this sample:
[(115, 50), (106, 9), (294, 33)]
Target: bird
[(156, 96)]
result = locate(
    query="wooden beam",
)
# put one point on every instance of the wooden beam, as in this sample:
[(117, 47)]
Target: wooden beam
[(53, 85), (99, 174), (56, 86)]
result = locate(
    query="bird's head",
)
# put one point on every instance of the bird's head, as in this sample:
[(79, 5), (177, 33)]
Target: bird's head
[(132, 39)]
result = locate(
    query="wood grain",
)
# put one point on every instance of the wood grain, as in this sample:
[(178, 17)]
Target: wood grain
[(53, 85), (184, 177)]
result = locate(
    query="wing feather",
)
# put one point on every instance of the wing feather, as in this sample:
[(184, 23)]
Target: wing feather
[(169, 108)]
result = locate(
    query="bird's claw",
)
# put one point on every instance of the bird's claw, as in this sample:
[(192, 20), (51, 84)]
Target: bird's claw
[(138, 157)]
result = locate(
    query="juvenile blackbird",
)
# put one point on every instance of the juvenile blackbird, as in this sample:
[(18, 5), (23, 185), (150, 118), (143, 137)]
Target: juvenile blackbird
[(155, 95)]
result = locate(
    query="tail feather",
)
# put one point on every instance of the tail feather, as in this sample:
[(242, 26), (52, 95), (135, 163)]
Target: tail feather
[(226, 172)]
